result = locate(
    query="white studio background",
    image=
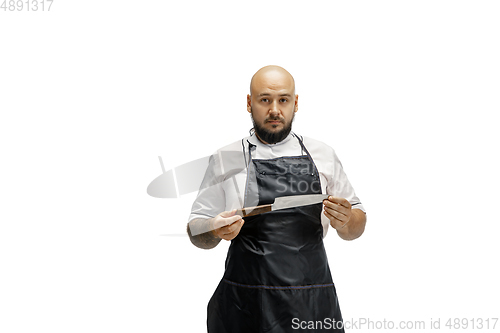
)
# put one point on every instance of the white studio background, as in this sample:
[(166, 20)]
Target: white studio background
[(92, 92)]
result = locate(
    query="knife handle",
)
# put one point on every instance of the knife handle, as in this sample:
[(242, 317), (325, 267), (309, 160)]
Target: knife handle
[(250, 211)]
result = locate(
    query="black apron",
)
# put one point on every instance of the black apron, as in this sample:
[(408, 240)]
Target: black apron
[(277, 277)]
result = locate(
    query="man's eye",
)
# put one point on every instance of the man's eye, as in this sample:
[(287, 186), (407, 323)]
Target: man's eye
[(283, 100), (265, 100)]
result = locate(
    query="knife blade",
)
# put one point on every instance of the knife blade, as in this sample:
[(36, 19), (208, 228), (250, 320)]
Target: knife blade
[(283, 203)]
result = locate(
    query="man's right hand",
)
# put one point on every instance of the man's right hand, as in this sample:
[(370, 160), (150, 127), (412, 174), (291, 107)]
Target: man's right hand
[(226, 225)]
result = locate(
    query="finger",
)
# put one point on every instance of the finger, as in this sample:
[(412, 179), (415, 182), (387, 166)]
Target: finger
[(231, 220), (335, 223), (340, 201), (331, 203), (228, 213), (231, 228), (227, 229), (336, 215), (221, 222), (236, 226), (336, 209), (230, 234)]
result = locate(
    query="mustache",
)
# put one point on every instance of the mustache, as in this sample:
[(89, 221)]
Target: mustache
[(281, 119)]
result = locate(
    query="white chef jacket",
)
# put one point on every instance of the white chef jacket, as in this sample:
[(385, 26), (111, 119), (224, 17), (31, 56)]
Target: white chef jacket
[(228, 192)]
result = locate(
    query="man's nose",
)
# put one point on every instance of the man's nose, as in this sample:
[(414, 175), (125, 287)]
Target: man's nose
[(274, 107)]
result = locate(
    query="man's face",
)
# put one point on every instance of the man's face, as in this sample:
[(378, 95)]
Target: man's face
[(272, 106)]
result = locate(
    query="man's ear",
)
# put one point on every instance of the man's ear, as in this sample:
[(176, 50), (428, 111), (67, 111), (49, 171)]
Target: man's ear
[(296, 103), (249, 104)]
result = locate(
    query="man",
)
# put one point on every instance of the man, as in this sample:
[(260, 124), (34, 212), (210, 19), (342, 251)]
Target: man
[(277, 272)]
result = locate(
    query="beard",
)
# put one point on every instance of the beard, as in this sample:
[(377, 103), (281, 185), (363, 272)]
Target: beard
[(272, 137)]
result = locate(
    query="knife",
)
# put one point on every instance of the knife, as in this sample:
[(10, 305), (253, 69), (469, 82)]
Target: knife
[(283, 203)]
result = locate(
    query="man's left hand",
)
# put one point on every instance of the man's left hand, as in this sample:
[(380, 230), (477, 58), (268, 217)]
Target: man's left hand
[(338, 210)]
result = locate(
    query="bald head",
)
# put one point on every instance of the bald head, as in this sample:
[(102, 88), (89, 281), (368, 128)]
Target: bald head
[(272, 103), (272, 76)]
